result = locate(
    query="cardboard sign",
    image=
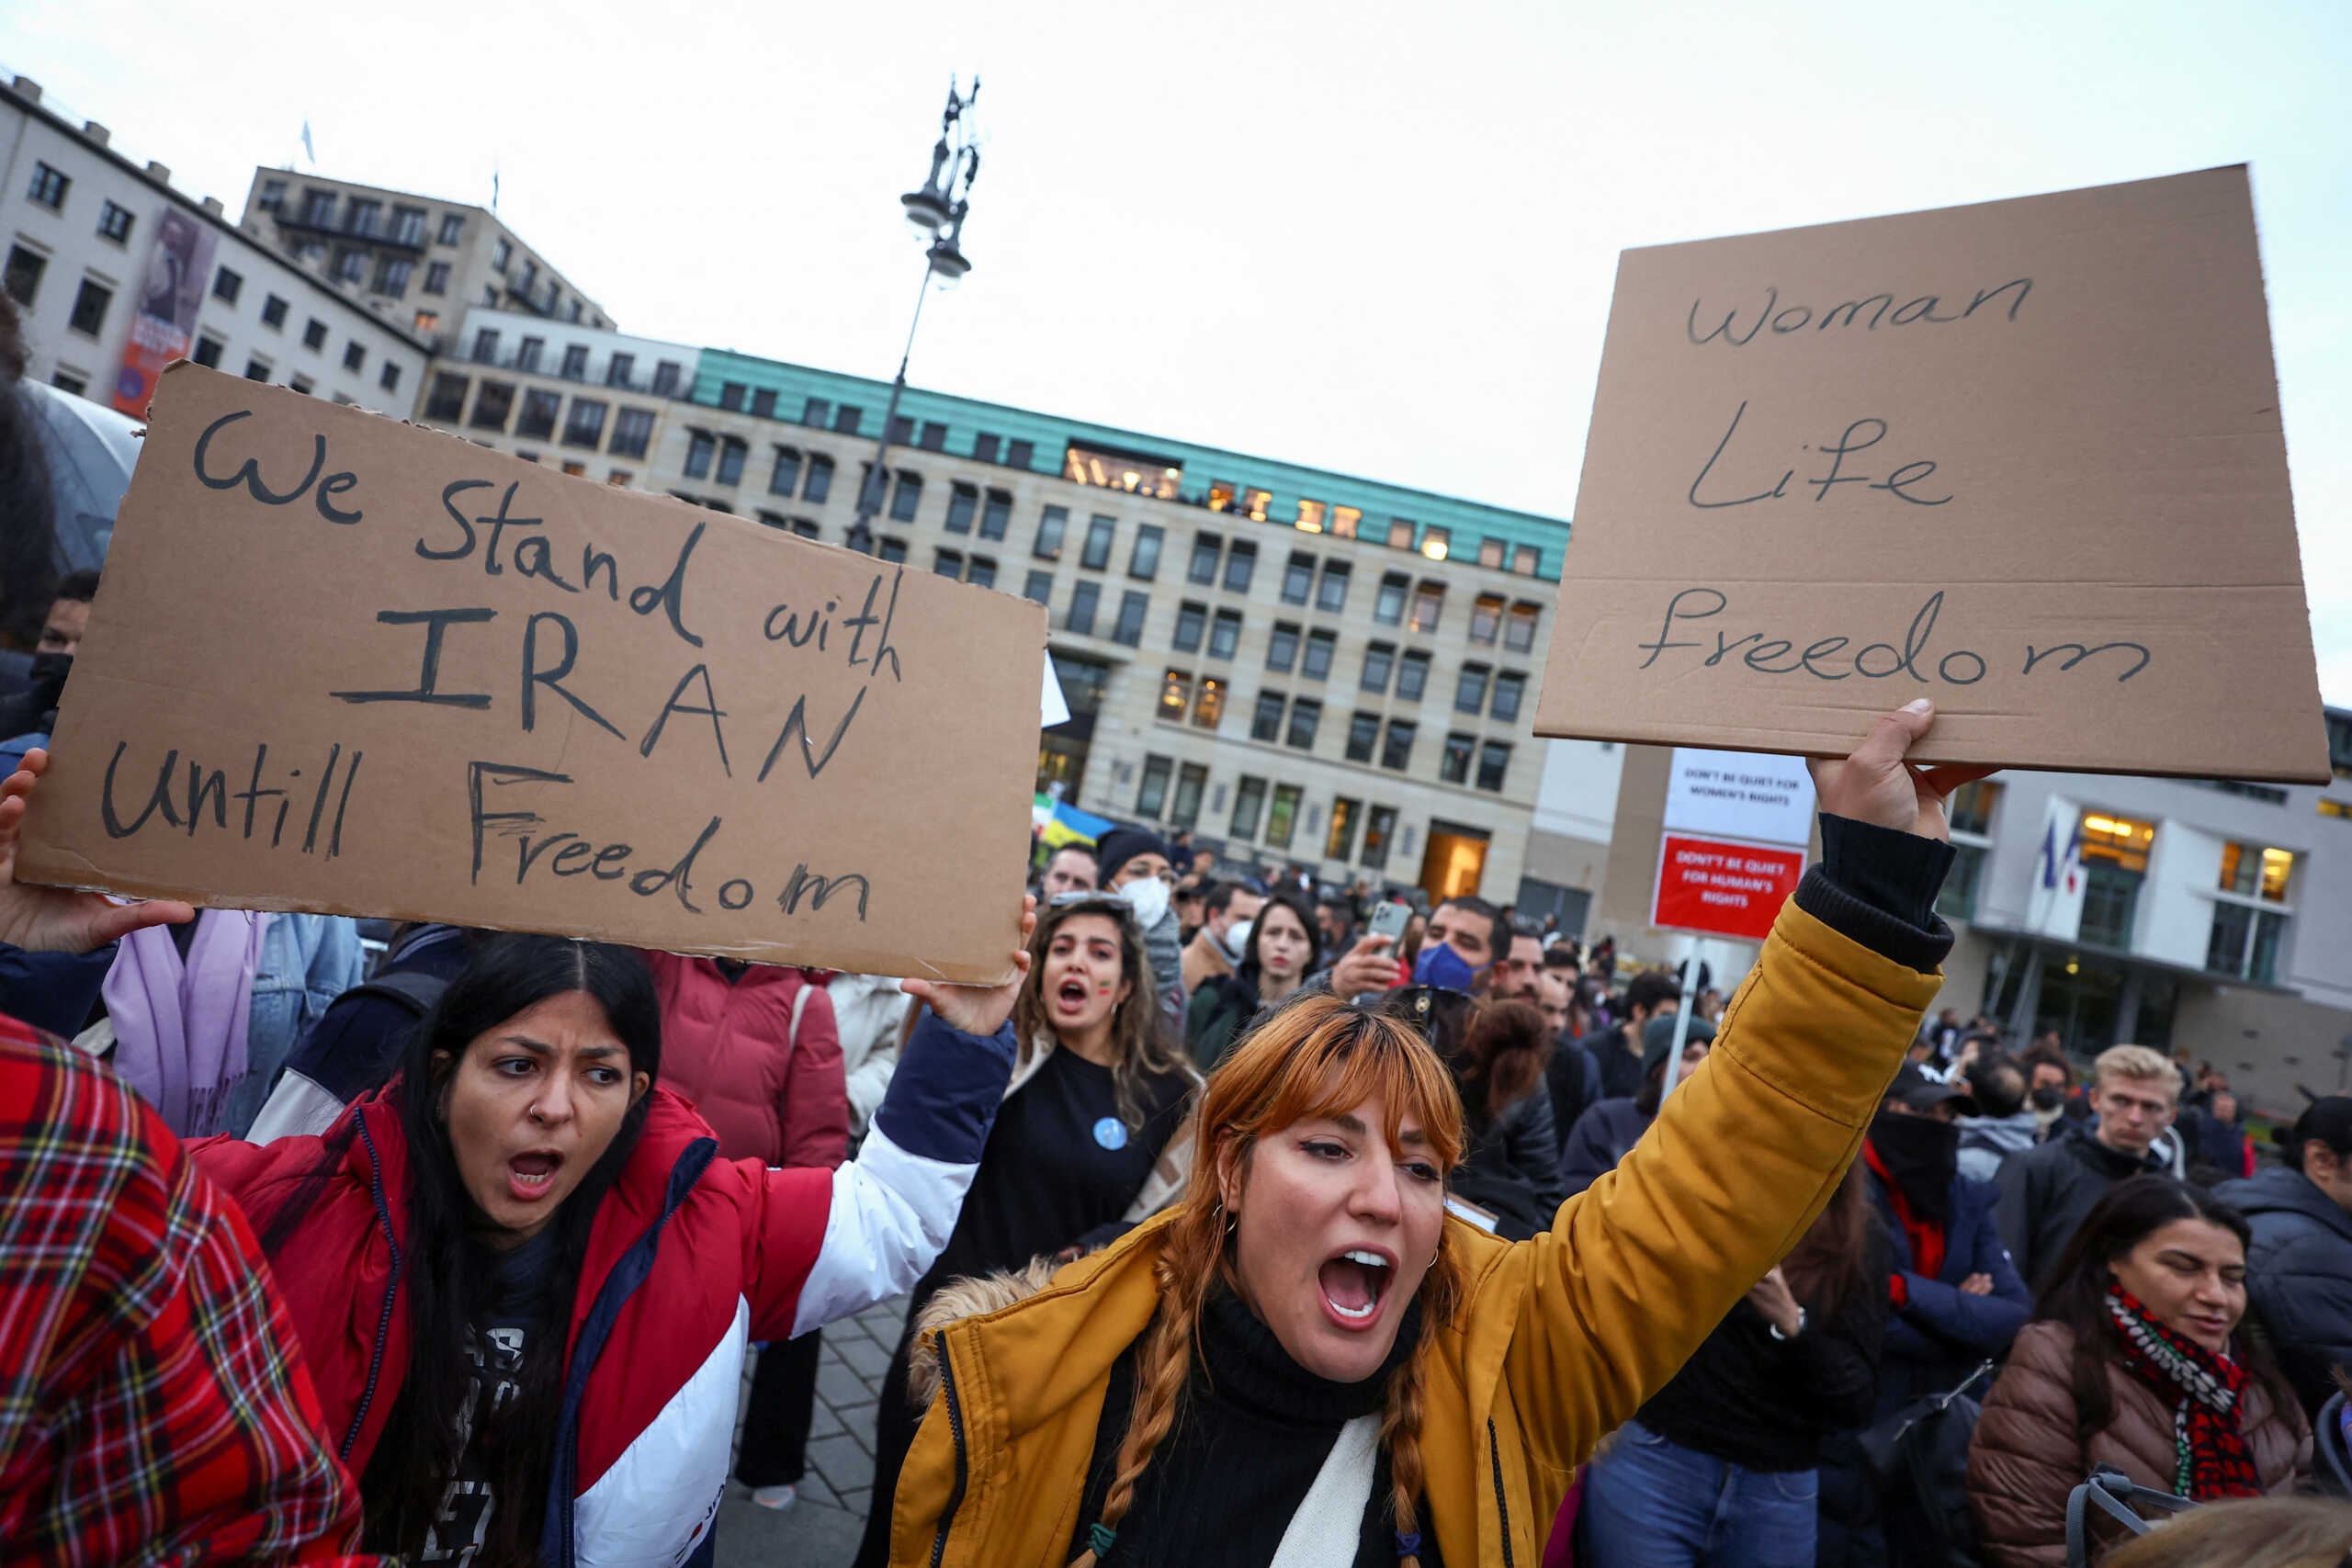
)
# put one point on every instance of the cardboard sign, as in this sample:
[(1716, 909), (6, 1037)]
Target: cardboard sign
[(1739, 794), (2023, 459), (348, 665), (1722, 888)]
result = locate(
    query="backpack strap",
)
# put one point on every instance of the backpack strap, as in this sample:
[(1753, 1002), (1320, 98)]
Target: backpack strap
[(412, 990), (799, 1006)]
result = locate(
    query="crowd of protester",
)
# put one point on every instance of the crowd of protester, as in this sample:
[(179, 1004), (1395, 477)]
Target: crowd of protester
[(1249, 1221)]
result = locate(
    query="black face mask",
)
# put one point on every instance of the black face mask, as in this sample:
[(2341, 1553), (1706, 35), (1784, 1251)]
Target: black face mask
[(2048, 1099), (50, 670), (1922, 1156)]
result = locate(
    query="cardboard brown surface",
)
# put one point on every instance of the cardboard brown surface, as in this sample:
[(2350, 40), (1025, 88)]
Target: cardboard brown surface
[(2023, 457), (859, 798)]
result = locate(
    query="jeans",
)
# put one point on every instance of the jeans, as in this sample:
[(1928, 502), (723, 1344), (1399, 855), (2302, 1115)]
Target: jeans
[(1652, 1504)]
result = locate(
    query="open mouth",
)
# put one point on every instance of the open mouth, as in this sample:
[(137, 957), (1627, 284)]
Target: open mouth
[(1072, 995), (529, 1177), (1353, 1284)]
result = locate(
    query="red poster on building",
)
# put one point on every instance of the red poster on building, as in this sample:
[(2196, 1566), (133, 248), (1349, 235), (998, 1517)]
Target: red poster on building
[(168, 298), (1721, 888)]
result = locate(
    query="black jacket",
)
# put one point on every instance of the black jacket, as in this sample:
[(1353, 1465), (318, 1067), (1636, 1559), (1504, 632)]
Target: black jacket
[(2047, 1190), (1599, 1140), (1514, 1168), (2299, 1275)]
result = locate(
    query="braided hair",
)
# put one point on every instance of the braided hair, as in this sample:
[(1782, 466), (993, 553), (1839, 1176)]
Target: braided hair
[(1316, 1056)]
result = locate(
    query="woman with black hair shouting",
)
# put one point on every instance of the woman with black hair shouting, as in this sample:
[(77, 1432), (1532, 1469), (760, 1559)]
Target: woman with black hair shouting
[(1307, 1361), (524, 1285)]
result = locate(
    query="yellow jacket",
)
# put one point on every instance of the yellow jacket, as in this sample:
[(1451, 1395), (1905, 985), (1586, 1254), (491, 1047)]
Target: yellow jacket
[(1559, 1338)]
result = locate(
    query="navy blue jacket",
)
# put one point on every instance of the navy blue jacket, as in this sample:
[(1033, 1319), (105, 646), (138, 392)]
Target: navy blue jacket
[(1944, 1332), (2299, 1274)]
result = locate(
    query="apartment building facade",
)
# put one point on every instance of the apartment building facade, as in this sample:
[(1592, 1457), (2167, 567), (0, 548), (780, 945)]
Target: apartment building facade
[(1300, 668), (91, 236), (408, 258)]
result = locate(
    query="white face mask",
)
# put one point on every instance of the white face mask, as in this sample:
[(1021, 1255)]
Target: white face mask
[(1148, 896), (1236, 940)]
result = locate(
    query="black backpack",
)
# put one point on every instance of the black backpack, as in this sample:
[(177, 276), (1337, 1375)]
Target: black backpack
[(1918, 1458)]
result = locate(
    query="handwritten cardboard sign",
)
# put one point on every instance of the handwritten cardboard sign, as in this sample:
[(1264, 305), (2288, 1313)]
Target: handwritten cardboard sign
[(348, 665), (2023, 459)]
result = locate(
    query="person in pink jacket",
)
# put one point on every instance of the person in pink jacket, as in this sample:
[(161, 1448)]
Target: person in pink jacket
[(754, 1046)]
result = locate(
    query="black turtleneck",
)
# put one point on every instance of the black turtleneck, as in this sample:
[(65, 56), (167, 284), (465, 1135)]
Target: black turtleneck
[(1250, 1436)]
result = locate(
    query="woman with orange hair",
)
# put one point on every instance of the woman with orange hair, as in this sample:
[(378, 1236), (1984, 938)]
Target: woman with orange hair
[(1306, 1363)]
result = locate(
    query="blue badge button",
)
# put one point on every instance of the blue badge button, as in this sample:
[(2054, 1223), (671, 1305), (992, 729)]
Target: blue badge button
[(1111, 1133)]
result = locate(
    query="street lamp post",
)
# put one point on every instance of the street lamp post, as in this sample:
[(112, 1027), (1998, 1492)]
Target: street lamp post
[(935, 210)]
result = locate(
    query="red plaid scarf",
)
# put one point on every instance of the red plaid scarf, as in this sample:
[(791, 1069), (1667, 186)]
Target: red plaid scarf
[(2206, 1391)]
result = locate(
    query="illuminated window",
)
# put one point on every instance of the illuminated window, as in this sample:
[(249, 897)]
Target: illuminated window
[(1435, 542), (1341, 843), (1220, 495), (1119, 470), (1253, 504), (1378, 830), (1344, 520), (1175, 697), (1310, 517), (1428, 601), (1283, 817), (1400, 534), (1209, 706), (2253, 872), (2117, 840), (2335, 808)]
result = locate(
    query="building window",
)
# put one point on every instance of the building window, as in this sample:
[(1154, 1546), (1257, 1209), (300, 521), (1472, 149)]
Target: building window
[(360, 216), (1493, 762), (1412, 676), (784, 475), (2251, 871), (1379, 659), (527, 353), (892, 552), (314, 336), (701, 447), (25, 268), (492, 404), (48, 187), (733, 449), (1331, 591), (208, 352), (963, 501), (66, 381), (1209, 706), (847, 418), (1454, 767), (258, 370), (1320, 645), (1143, 561), (1490, 552), (820, 479), (1254, 503), (1206, 549), (985, 446), (1112, 470), (485, 345), (389, 380), (1310, 517), (906, 496), (619, 478), (391, 277), (1051, 524), (1019, 454), (447, 401), (318, 209), (350, 262), (632, 433), (273, 314), (666, 378), (1339, 844), (902, 430), (1306, 714), (114, 223), (1428, 601), (1240, 564), (1192, 780), (1283, 817), (453, 227), (996, 514), (1519, 633), (815, 414), (1282, 648), (1220, 495), (272, 197), (1039, 587), (947, 563), (1400, 534), (730, 396), (354, 355), (227, 286), (1298, 578), (618, 369), (1396, 751), (1097, 554), (1509, 686), (1364, 737), (1248, 800), (1083, 596), (1266, 723), (1133, 604), (982, 572), (575, 362), (1378, 830), (585, 427), (428, 322), (302, 384), (1225, 634), (1436, 542), (90, 304), (1526, 560), (935, 436), (537, 422), (1470, 689), (1153, 797), (1486, 618), (1191, 621), (2244, 942), (1175, 697), (1344, 520), (1388, 608)]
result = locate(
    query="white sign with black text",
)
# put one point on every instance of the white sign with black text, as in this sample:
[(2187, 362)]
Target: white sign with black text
[(1739, 794)]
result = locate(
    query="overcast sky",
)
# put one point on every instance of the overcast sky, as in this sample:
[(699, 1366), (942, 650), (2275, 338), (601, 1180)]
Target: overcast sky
[(1372, 237)]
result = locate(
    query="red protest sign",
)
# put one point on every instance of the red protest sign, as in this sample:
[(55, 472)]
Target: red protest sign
[(1721, 888)]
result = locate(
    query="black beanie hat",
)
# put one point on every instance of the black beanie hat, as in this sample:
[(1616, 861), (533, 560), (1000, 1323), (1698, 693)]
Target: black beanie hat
[(1119, 846)]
